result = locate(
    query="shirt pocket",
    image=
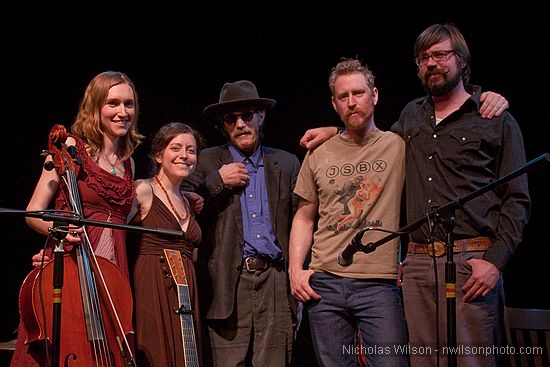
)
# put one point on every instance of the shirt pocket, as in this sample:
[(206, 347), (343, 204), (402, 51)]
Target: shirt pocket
[(463, 147)]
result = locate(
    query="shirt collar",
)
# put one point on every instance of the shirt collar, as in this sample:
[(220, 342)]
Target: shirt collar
[(473, 100), (238, 156)]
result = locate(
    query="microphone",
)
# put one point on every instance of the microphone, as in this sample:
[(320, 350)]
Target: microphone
[(345, 257)]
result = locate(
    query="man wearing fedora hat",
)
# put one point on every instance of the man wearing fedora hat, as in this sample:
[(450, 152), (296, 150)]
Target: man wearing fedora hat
[(243, 258)]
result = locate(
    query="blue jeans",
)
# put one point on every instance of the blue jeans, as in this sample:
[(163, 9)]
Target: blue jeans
[(372, 305)]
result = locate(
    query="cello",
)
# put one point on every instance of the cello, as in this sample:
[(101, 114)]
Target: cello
[(87, 318)]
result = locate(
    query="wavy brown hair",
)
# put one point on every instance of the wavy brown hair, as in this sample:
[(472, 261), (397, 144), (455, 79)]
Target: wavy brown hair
[(87, 124)]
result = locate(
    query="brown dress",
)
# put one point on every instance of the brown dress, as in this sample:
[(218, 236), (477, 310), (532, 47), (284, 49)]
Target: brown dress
[(104, 197), (158, 327)]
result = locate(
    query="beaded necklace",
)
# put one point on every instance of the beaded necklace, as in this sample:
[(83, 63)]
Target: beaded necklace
[(180, 218)]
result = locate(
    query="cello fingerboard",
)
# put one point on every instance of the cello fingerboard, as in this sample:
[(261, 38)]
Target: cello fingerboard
[(175, 263)]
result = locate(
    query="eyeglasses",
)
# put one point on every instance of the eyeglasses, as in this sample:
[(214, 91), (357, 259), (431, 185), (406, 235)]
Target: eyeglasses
[(436, 56), (231, 118)]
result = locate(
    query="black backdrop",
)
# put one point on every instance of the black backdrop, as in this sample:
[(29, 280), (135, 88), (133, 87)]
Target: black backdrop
[(179, 57)]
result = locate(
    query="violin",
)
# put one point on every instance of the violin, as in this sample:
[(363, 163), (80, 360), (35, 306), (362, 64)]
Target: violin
[(85, 318)]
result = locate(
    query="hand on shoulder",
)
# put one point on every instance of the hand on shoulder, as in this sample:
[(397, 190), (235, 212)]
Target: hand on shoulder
[(312, 138)]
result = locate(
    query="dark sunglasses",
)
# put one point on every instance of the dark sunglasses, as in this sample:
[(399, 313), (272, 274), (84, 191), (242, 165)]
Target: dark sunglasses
[(231, 118)]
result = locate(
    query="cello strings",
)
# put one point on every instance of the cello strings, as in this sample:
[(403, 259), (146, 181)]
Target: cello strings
[(90, 297), (112, 305), (95, 295)]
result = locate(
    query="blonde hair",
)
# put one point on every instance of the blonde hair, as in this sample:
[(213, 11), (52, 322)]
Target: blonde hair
[(349, 66)]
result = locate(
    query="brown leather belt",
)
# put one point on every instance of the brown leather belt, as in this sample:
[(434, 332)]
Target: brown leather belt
[(257, 263), (438, 248)]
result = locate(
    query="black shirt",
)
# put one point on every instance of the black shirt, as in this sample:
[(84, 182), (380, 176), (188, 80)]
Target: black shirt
[(457, 157)]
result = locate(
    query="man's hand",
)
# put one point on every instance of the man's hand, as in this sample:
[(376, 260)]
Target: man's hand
[(299, 285), (37, 259), (492, 104), (71, 239), (195, 201), (484, 278), (234, 174), (314, 137)]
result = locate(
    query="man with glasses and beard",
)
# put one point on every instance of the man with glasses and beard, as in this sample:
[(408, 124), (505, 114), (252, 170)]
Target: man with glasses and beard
[(243, 258), (450, 152)]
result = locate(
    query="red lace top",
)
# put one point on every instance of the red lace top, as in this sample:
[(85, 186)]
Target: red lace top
[(105, 197)]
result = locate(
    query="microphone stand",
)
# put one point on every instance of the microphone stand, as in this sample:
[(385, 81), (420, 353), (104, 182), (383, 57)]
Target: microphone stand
[(58, 235), (447, 220), (446, 216), (58, 232)]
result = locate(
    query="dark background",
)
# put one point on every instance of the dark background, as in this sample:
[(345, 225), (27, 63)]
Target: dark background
[(179, 57)]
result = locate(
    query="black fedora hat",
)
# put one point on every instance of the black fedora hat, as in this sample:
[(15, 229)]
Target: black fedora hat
[(242, 93)]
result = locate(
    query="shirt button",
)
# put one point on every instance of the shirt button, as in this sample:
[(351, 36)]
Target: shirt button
[(429, 178), (253, 215), (429, 157), (250, 195), (258, 236), (429, 201), (463, 139), (435, 136)]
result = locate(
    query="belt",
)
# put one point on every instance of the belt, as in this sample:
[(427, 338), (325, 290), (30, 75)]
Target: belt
[(258, 263), (438, 247)]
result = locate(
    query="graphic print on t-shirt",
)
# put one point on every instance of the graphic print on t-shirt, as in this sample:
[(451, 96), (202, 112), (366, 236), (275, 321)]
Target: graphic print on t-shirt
[(357, 193)]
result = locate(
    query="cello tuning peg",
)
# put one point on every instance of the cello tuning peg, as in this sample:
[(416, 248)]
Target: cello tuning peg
[(71, 149), (49, 165)]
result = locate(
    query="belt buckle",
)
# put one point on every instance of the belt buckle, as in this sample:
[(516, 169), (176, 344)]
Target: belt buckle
[(439, 249), (247, 263)]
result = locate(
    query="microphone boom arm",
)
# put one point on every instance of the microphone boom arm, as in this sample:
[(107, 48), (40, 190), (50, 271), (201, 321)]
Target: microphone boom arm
[(345, 257), (48, 215)]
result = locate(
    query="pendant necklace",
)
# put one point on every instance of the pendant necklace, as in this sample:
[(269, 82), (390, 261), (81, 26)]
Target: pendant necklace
[(113, 165), (180, 218)]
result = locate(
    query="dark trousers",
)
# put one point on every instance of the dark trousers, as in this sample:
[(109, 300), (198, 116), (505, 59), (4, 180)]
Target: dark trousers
[(479, 323), (260, 330)]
